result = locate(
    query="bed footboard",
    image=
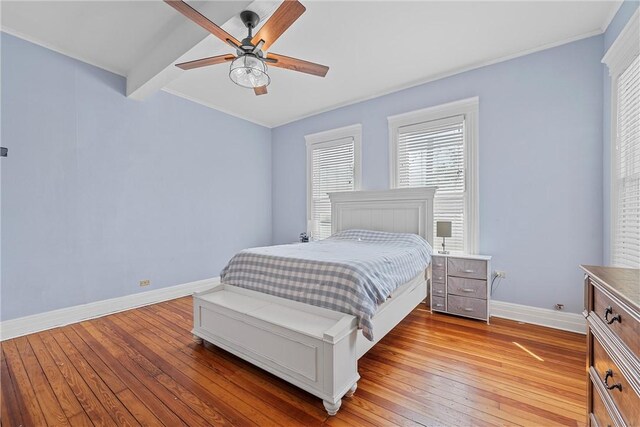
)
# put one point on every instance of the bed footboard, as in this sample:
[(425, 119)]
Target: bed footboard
[(310, 347)]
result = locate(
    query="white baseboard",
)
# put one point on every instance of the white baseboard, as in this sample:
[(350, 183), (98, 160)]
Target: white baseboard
[(572, 322), (52, 319)]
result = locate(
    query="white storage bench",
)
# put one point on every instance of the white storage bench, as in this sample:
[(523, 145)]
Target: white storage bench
[(310, 347)]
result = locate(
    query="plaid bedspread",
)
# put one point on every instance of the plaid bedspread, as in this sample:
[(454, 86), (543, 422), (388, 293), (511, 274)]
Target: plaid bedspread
[(352, 272)]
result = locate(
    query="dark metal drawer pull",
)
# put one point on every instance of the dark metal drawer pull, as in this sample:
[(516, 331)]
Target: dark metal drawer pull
[(609, 374), (616, 318), (467, 290)]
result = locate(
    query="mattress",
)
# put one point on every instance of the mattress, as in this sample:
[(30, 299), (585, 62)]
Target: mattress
[(353, 271)]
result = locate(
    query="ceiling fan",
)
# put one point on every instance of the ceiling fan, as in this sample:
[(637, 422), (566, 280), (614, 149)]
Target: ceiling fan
[(249, 67)]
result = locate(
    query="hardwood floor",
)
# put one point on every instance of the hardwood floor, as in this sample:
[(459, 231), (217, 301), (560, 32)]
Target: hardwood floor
[(140, 367)]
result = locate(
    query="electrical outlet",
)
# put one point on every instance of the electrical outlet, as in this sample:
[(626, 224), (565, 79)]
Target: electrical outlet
[(145, 282), (502, 274)]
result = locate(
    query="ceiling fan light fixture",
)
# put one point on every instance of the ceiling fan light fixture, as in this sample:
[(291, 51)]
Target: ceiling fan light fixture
[(249, 71)]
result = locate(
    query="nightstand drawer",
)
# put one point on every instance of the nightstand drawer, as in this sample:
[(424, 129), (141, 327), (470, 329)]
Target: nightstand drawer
[(438, 262), (469, 268), (472, 307), (468, 287), (438, 276), (439, 289), (439, 303)]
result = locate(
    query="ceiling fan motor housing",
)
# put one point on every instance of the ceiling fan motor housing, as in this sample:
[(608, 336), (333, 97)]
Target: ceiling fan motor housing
[(250, 19)]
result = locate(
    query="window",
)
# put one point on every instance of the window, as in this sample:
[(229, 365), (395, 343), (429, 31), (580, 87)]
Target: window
[(435, 147), (333, 164), (623, 59)]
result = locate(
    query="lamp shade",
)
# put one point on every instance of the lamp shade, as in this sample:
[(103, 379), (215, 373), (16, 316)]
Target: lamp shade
[(443, 229), (249, 71)]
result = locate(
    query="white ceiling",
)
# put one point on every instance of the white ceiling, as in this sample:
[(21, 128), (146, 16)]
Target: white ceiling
[(372, 47)]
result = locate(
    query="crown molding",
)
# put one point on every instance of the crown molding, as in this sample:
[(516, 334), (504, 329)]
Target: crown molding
[(38, 42), (440, 76), (625, 48)]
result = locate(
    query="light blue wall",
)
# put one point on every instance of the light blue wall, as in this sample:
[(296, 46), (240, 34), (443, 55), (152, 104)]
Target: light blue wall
[(100, 191), (615, 27), (540, 165)]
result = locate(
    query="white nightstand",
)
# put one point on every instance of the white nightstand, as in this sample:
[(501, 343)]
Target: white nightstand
[(461, 285)]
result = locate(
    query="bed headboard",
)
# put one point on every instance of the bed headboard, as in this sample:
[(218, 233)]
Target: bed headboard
[(401, 210)]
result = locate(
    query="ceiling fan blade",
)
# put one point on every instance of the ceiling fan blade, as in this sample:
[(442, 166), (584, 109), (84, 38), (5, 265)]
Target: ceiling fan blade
[(262, 90), (201, 20), (299, 65), (288, 12), (204, 62)]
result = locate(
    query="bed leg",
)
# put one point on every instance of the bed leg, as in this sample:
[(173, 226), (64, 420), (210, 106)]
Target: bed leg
[(197, 340), (351, 390), (332, 408)]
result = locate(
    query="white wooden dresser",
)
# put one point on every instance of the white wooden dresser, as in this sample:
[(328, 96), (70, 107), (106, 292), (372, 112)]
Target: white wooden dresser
[(612, 310)]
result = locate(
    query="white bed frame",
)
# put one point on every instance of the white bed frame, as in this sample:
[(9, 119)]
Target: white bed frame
[(311, 347)]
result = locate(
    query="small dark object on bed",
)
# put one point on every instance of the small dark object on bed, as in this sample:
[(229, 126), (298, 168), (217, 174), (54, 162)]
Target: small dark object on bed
[(304, 238)]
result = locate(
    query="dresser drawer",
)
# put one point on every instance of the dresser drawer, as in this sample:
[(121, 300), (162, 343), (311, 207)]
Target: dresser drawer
[(608, 374), (618, 320), (439, 289), (469, 268), (439, 303), (599, 410), (465, 306), (468, 287)]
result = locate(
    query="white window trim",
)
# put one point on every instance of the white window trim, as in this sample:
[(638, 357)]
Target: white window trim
[(326, 139), (619, 56), (470, 109)]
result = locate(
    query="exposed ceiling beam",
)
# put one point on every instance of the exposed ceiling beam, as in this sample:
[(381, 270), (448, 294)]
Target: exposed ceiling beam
[(188, 42)]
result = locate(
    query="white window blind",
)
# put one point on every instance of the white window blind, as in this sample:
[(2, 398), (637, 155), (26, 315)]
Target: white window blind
[(626, 238), (432, 154), (332, 169)]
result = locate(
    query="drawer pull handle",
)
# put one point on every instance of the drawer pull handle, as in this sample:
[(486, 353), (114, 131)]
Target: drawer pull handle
[(468, 309), (439, 305), (468, 271), (616, 318), (467, 290), (439, 277), (609, 374), (439, 291)]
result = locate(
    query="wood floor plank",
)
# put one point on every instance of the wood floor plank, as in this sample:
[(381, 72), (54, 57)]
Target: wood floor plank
[(25, 395), (473, 395), (169, 409), (432, 369), (275, 410), (99, 403), (53, 413), (203, 394), (11, 414), (68, 400)]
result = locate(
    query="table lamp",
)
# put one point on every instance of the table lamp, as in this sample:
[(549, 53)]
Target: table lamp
[(443, 229)]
